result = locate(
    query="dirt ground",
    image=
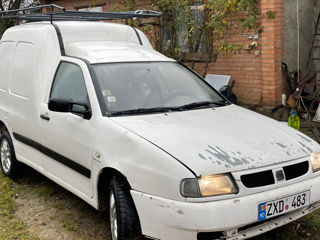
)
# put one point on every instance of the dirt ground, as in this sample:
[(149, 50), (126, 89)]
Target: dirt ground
[(52, 213)]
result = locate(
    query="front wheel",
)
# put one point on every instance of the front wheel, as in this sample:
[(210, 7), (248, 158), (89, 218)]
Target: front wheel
[(124, 220), (8, 159)]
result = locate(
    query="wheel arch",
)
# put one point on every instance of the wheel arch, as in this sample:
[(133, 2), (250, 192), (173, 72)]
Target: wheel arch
[(3, 127), (103, 183)]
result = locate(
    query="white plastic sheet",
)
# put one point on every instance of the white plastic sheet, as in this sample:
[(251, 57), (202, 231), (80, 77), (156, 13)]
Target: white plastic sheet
[(217, 81)]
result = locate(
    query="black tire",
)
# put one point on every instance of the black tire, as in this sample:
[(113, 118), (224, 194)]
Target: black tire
[(12, 169), (128, 224)]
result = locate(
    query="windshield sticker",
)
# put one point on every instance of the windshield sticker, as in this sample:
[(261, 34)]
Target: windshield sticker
[(106, 92), (146, 88), (111, 99)]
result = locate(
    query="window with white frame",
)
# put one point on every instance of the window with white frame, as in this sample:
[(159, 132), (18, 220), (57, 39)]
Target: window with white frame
[(91, 9), (182, 43)]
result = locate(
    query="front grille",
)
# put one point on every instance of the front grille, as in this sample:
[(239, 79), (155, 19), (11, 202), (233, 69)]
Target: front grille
[(258, 179), (296, 170), (266, 178)]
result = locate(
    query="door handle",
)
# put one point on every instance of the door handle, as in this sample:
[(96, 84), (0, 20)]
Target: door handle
[(45, 117)]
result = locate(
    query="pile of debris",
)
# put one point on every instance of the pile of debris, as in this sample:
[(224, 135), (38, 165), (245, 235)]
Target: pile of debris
[(301, 96)]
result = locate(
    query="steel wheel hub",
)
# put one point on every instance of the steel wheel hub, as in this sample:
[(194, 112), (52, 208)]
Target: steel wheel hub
[(113, 217), (5, 155)]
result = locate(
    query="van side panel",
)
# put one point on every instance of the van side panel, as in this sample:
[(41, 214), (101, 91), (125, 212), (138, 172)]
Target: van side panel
[(7, 51), (22, 70), (21, 115), (6, 54), (24, 87)]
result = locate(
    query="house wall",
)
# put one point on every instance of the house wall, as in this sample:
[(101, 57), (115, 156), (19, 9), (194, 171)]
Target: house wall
[(257, 72)]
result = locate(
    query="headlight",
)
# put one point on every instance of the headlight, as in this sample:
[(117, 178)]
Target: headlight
[(210, 185), (315, 159)]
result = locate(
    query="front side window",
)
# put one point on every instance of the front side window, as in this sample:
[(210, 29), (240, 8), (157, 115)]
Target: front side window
[(153, 85), (69, 83)]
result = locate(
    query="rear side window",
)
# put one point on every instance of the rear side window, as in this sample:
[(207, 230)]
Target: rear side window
[(6, 55), (23, 69), (69, 84)]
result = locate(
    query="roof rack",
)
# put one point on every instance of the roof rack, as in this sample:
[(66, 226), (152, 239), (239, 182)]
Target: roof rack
[(57, 13)]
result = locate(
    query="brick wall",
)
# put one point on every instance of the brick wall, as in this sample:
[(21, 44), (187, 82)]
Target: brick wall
[(257, 72), (271, 51), (258, 77)]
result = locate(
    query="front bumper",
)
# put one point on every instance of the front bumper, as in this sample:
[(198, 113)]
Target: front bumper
[(162, 218)]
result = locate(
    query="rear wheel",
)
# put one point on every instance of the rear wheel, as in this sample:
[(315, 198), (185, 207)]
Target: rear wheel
[(8, 160), (124, 220)]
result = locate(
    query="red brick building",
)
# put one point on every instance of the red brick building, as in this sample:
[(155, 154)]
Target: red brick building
[(257, 72)]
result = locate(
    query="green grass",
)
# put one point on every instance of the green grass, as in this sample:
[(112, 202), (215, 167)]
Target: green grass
[(68, 224), (10, 228), (53, 217), (58, 206), (45, 191)]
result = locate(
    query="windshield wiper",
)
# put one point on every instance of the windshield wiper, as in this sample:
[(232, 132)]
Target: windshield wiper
[(143, 111), (203, 104), (168, 109)]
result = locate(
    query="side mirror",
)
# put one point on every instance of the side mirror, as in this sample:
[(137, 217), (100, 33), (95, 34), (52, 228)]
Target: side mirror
[(60, 105), (67, 105)]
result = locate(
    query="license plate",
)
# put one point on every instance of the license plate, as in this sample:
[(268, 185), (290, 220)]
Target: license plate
[(283, 205)]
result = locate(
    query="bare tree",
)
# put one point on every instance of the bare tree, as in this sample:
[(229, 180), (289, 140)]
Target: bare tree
[(6, 5)]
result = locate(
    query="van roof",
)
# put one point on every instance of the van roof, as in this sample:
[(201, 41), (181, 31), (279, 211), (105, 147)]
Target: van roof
[(110, 51), (100, 42)]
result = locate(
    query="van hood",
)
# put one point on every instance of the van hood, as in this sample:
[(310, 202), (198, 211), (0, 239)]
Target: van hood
[(223, 139)]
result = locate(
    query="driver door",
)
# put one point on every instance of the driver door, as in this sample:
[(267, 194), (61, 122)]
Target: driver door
[(68, 137)]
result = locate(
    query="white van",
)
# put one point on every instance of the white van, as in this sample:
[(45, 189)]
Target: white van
[(93, 107)]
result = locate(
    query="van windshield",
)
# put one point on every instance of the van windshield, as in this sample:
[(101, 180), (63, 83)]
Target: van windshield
[(139, 87)]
